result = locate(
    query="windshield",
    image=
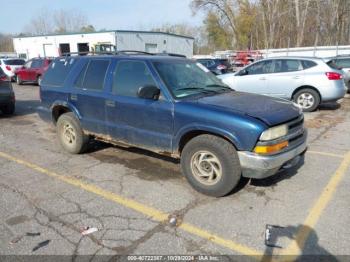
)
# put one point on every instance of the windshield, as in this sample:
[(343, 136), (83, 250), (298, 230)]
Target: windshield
[(185, 78), (14, 62)]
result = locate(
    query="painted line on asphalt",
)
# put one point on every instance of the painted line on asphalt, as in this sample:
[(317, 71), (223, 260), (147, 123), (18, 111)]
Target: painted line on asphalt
[(316, 211), (325, 154), (141, 208)]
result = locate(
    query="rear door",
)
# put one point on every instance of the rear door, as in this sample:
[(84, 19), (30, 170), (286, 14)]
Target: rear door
[(287, 75), (88, 94), (143, 122)]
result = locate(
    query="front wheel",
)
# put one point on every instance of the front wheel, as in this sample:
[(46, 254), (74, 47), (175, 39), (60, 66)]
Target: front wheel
[(308, 99), (9, 109), (211, 165), (18, 80), (70, 134)]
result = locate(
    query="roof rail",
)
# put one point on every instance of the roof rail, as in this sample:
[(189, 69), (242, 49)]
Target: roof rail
[(171, 54), (122, 52)]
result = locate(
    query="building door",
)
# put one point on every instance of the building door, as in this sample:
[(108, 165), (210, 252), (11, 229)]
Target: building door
[(49, 50), (64, 49), (83, 47), (151, 48)]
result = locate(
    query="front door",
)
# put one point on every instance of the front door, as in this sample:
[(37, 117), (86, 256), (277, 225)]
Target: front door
[(255, 78), (141, 122)]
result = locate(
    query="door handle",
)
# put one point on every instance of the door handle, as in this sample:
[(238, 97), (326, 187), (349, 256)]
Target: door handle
[(74, 97), (262, 78), (110, 103)]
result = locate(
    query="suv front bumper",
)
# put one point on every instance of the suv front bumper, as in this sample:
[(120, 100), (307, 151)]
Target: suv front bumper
[(260, 166)]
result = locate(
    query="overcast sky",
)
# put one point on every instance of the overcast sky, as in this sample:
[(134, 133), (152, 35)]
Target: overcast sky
[(107, 14)]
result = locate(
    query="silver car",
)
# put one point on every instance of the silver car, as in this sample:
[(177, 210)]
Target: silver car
[(342, 62), (305, 80)]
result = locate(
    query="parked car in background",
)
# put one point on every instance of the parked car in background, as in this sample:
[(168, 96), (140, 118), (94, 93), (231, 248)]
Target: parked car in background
[(10, 65), (307, 81), (216, 65), (176, 107), (342, 62), (7, 96), (32, 71)]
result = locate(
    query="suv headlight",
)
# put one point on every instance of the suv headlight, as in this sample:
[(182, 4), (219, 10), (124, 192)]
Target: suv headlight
[(274, 133)]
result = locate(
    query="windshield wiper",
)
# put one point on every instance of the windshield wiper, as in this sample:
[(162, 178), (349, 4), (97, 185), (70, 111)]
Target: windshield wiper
[(218, 85), (201, 89)]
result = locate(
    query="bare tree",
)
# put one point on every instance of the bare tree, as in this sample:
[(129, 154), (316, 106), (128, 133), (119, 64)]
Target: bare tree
[(69, 20), (40, 24)]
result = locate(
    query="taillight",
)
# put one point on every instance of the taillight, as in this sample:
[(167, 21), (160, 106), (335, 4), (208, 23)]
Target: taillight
[(8, 68), (221, 67), (334, 76)]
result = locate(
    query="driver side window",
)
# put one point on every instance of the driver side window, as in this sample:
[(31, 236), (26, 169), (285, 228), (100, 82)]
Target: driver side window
[(263, 67)]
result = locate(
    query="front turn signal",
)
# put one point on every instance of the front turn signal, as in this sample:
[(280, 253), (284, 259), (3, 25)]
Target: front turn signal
[(271, 148)]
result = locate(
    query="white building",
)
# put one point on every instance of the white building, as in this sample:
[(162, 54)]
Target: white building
[(55, 44)]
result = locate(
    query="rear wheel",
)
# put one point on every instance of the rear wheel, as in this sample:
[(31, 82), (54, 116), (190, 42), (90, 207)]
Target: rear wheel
[(70, 134), (9, 109), (211, 165), (308, 99), (18, 80)]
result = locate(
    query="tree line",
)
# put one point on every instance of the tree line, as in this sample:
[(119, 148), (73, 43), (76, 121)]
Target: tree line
[(265, 24)]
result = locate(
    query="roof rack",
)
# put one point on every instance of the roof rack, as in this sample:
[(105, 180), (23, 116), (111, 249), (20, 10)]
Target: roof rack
[(170, 54), (122, 52)]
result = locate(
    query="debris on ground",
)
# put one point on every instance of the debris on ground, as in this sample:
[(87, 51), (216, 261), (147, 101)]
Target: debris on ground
[(173, 220), (271, 235), (88, 230), (19, 238), (40, 245)]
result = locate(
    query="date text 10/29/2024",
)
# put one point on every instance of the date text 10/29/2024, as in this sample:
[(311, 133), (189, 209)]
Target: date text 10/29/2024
[(173, 258)]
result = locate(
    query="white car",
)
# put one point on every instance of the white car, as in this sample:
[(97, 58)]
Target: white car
[(9, 66), (308, 81)]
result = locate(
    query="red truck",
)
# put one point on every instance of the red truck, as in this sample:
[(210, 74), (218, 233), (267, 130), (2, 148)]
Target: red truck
[(32, 71)]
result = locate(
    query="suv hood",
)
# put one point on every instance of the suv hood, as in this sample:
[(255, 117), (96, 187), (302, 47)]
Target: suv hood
[(272, 111)]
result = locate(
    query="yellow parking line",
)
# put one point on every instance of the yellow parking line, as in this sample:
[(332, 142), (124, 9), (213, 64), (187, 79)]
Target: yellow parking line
[(315, 213), (141, 208), (325, 154)]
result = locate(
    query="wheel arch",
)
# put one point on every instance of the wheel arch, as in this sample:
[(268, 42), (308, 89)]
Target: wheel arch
[(59, 108), (306, 87), (190, 134)]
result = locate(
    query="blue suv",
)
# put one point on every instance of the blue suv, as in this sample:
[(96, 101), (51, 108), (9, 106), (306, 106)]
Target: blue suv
[(176, 107)]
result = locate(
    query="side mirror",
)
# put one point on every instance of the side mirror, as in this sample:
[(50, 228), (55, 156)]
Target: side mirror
[(148, 92)]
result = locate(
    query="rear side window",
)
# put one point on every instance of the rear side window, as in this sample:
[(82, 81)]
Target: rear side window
[(308, 64), (58, 72), (129, 76), (343, 63), (79, 81), (95, 74), (14, 62), (332, 64), (37, 63)]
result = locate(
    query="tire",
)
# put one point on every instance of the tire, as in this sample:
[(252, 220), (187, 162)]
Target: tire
[(18, 80), (223, 157), (70, 134), (39, 79), (9, 109), (311, 99)]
